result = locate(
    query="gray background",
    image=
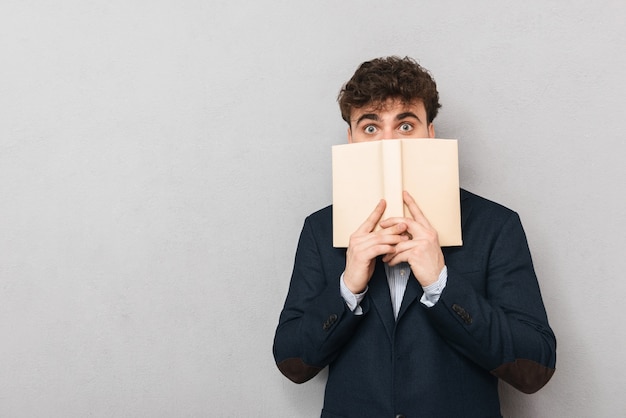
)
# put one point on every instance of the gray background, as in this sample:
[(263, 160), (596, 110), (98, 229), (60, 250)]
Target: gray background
[(157, 160)]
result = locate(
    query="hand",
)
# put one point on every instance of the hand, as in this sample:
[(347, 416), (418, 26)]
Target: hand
[(422, 252), (365, 245)]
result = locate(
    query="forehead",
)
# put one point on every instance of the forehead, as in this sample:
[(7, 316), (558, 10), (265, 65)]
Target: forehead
[(392, 106)]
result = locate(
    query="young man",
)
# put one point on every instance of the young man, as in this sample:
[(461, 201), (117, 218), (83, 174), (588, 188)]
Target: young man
[(406, 327)]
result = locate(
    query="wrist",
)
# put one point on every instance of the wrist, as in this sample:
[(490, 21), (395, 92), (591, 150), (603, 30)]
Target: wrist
[(353, 287)]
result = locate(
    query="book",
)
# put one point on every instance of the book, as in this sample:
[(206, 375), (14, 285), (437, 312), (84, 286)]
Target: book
[(365, 172)]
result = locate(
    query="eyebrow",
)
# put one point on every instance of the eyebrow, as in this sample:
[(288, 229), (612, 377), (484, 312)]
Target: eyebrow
[(374, 117), (407, 115), (369, 116)]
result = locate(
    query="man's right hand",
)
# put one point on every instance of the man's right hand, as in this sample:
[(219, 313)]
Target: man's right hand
[(366, 244)]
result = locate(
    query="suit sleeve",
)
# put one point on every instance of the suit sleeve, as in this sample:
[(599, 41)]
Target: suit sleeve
[(315, 321), (504, 327)]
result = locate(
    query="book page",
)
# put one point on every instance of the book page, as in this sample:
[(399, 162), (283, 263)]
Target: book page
[(431, 175), (357, 187)]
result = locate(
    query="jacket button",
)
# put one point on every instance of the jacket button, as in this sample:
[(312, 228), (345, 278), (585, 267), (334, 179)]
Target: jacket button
[(399, 416)]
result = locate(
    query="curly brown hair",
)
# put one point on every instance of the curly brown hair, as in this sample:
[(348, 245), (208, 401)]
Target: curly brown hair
[(385, 78)]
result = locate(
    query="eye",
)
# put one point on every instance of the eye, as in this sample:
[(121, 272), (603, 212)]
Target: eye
[(406, 127), (369, 129)]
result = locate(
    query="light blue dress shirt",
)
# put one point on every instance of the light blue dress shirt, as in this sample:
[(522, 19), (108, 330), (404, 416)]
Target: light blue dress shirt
[(397, 278)]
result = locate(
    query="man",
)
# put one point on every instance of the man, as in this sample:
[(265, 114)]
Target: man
[(406, 327)]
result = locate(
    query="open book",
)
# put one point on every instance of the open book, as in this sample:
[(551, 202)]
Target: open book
[(365, 172)]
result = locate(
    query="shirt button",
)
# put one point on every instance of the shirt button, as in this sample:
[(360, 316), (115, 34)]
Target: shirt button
[(402, 272)]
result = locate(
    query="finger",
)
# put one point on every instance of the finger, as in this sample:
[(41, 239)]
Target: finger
[(395, 257), (389, 222), (390, 236), (399, 253), (373, 218), (373, 248), (415, 211), (390, 258)]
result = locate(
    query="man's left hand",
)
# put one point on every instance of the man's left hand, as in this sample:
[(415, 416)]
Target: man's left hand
[(422, 251)]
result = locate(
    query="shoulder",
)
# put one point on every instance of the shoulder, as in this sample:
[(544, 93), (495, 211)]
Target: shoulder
[(317, 236), (319, 225), (320, 217), (484, 221), (480, 206)]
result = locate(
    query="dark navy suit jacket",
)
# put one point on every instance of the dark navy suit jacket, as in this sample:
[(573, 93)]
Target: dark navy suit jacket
[(442, 361)]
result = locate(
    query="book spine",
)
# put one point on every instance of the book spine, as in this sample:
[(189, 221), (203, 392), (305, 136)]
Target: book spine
[(392, 177)]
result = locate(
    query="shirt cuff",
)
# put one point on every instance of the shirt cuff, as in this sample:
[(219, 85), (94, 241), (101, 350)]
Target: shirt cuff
[(433, 291), (352, 300)]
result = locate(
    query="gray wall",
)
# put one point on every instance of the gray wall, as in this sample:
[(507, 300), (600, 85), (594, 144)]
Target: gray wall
[(157, 160)]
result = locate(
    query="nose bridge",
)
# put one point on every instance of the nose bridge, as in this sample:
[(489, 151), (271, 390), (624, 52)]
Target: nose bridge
[(388, 132)]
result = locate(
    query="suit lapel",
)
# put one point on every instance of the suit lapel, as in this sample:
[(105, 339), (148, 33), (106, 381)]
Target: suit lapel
[(412, 293), (381, 298)]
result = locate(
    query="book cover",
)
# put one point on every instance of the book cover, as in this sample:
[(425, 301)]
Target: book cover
[(365, 172)]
